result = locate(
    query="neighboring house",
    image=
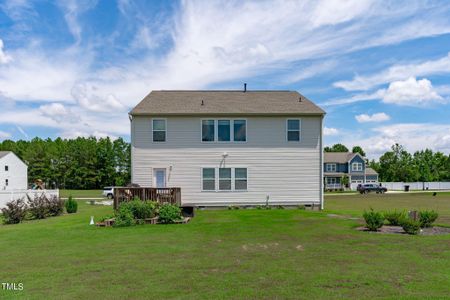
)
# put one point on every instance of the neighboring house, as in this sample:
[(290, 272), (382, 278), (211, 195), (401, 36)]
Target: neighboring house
[(13, 172), (229, 147), (338, 165)]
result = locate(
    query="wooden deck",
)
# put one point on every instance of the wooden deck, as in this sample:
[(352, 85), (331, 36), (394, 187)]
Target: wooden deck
[(162, 195)]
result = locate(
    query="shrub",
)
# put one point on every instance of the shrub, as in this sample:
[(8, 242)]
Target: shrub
[(55, 206), (141, 209), (71, 205), (14, 212), (395, 217), (374, 220), (280, 207), (301, 207), (169, 213), (427, 218), (124, 216), (410, 226), (38, 206)]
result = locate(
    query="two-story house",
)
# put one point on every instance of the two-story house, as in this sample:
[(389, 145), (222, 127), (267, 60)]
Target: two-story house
[(13, 172), (229, 147), (338, 165)]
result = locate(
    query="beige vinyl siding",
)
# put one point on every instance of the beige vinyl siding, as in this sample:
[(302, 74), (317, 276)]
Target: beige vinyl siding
[(289, 172)]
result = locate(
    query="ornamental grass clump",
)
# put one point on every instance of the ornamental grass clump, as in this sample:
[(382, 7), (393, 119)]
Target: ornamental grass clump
[(374, 220), (427, 218), (394, 218), (410, 226)]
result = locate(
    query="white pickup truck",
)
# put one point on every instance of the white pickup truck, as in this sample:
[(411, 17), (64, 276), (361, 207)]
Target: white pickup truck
[(108, 192)]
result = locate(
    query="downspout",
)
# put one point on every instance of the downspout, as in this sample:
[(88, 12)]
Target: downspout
[(130, 117), (321, 164)]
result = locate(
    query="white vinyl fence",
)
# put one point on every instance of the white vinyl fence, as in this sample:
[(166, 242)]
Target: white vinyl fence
[(417, 185), (6, 196)]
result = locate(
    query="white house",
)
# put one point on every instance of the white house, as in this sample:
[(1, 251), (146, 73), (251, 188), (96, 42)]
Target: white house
[(229, 147), (13, 172)]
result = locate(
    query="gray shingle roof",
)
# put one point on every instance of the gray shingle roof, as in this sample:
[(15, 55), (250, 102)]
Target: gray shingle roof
[(4, 153), (226, 103), (337, 157), (370, 171)]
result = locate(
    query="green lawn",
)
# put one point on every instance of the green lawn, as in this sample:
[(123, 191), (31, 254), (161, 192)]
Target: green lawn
[(238, 254), (81, 193), (356, 204)]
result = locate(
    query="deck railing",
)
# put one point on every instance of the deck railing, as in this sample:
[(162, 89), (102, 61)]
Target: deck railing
[(162, 195)]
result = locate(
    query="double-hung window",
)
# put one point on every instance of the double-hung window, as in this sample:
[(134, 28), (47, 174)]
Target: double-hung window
[(240, 179), (224, 130), (159, 130), (331, 168), (209, 179), (357, 166), (208, 130), (225, 179), (240, 130), (293, 130), (6, 168)]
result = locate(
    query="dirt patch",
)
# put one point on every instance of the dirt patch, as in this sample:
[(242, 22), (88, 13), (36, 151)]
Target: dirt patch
[(436, 230)]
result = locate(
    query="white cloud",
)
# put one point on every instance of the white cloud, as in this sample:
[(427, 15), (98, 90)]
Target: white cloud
[(329, 131), (377, 117), (414, 136), (4, 58), (59, 113), (397, 72), (88, 98), (72, 9), (412, 92)]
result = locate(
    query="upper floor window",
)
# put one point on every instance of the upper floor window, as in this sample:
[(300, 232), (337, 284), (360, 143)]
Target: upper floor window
[(357, 166), (6, 182), (293, 130), (159, 130), (6, 168), (331, 167), (224, 130)]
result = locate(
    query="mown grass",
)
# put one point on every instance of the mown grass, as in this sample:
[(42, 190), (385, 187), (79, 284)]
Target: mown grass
[(238, 254), (81, 193), (356, 204)]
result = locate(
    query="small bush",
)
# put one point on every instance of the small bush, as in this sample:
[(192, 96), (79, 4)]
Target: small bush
[(71, 205), (258, 207), (410, 226), (427, 218), (38, 206), (395, 217), (124, 216), (55, 206), (280, 207), (169, 213), (141, 209), (301, 207), (14, 212), (374, 220)]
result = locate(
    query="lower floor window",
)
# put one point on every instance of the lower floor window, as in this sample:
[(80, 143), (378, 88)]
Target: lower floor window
[(224, 179)]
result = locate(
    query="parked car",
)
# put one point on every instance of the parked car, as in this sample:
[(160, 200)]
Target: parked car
[(371, 187), (108, 192)]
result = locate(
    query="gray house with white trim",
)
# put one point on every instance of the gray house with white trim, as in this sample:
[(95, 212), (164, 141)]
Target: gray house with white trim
[(229, 147), (338, 165)]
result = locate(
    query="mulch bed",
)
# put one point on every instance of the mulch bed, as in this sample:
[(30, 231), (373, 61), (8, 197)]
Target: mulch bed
[(386, 229)]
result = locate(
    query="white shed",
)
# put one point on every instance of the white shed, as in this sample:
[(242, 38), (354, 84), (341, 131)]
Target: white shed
[(13, 172)]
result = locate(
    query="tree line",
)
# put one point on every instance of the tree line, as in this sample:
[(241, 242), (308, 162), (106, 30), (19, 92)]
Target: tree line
[(81, 163), (400, 165)]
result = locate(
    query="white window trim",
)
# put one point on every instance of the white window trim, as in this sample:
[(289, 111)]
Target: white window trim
[(165, 126), (234, 178), (330, 164), (216, 131), (357, 168), (299, 130), (216, 179)]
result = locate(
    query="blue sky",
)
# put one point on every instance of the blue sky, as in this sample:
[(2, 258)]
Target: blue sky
[(379, 68)]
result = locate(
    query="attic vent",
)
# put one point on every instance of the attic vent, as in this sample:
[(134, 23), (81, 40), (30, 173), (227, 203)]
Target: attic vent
[(203, 103), (300, 99)]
